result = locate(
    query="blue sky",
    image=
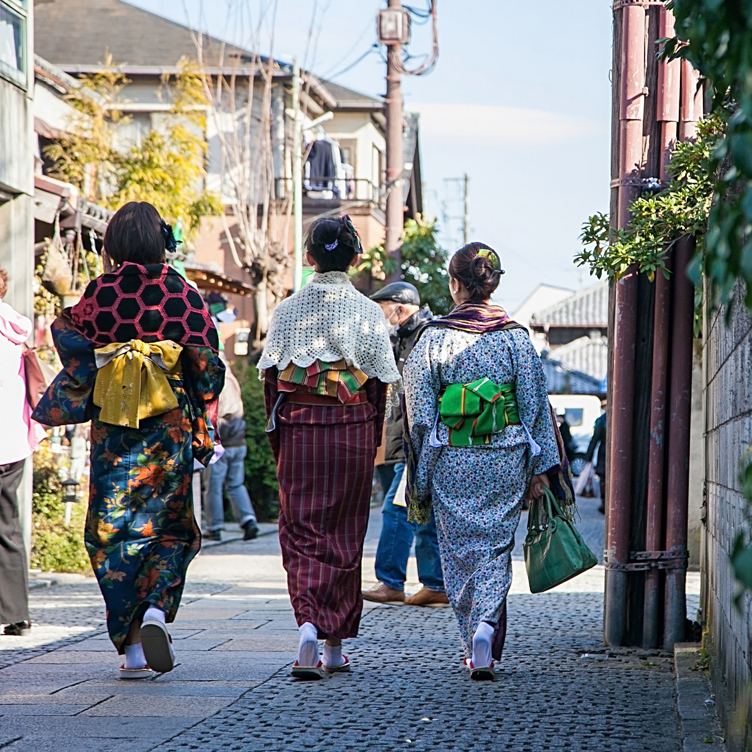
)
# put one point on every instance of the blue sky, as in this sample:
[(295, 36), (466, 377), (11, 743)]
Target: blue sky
[(520, 100)]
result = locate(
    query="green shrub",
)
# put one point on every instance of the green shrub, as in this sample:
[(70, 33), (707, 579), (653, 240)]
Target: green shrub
[(260, 468), (54, 547)]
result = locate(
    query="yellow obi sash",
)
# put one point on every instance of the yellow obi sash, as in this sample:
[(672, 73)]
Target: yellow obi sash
[(132, 380)]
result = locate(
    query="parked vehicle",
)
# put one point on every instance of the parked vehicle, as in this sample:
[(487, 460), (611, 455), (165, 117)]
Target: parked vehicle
[(580, 411)]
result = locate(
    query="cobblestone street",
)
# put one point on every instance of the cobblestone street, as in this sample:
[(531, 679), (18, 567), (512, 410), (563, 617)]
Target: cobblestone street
[(557, 688)]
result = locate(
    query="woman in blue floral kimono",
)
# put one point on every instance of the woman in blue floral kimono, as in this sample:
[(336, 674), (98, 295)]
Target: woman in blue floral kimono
[(139, 353), (481, 440)]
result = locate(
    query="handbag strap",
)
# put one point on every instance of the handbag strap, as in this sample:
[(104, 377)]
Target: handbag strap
[(548, 504)]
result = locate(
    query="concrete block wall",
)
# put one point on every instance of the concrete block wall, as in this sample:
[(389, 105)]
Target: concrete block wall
[(728, 434)]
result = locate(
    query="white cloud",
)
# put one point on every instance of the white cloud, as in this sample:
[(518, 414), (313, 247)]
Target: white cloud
[(500, 126)]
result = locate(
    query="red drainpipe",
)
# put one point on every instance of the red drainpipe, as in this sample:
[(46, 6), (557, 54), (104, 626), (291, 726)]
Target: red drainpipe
[(622, 387), (669, 83), (680, 395), (691, 101), (656, 466), (677, 483), (668, 113)]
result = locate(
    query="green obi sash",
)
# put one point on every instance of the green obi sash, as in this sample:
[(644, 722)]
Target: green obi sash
[(474, 412)]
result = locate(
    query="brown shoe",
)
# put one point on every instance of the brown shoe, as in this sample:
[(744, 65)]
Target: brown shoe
[(382, 594), (426, 597)]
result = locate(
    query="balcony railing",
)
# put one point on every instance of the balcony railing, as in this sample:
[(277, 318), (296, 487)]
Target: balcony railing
[(342, 191)]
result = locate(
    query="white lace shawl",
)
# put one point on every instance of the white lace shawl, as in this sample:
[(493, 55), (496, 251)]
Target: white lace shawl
[(328, 320)]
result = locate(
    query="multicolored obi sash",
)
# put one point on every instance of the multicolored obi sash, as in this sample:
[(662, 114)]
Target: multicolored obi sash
[(474, 412), (336, 379)]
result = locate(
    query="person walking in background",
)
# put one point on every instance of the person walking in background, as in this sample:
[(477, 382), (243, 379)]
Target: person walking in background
[(326, 364), (18, 439), (149, 382), (475, 471), (228, 472), (566, 435), (400, 302), (598, 444)]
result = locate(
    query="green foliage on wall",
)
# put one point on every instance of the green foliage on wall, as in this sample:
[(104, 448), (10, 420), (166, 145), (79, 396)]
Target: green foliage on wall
[(716, 37), (54, 547), (659, 220)]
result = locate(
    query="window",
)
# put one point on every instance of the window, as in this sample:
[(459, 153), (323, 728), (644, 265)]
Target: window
[(348, 148), (13, 41), (573, 416)]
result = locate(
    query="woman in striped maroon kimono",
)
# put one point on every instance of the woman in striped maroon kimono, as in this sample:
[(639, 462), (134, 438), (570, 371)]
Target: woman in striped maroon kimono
[(326, 364)]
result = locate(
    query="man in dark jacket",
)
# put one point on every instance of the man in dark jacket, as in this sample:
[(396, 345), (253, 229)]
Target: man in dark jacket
[(599, 441), (228, 472), (400, 302)]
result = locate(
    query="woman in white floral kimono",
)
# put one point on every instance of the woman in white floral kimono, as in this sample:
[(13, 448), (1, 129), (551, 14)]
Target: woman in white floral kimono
[(481, 440)]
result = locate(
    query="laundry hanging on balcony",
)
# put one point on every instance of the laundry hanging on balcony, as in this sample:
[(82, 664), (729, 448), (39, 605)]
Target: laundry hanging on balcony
[(324, 170)]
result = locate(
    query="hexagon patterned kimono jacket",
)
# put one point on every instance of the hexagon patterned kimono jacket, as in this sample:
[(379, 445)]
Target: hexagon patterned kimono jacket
[(140, 531)]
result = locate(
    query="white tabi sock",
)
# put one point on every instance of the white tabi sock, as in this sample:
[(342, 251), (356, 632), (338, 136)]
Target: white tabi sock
[(482, 645), (157, 614), (333, 655), (134, 656), (308, 650)]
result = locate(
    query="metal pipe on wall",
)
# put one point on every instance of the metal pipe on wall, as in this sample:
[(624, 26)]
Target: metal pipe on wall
[(677, 481), (691, 101), (622, 387), (656, 461), (669, 84)]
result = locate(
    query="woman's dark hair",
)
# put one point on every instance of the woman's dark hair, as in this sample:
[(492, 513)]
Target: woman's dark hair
[(135, 234), (479, 274), (332, 244)]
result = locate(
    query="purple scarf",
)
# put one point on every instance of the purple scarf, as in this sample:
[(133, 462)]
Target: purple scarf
[(477, 318)]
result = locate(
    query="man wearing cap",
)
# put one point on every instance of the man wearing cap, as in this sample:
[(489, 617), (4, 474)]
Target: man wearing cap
[(400, 302)]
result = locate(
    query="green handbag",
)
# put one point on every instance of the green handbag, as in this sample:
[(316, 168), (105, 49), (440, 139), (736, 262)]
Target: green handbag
[(554, 550)]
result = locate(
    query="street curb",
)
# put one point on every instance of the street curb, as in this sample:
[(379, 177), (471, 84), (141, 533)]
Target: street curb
[(695, 702), (265, 528), (49, 579), (38, 580)]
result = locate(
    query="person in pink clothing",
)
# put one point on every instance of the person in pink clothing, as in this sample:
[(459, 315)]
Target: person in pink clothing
[(18, 439)]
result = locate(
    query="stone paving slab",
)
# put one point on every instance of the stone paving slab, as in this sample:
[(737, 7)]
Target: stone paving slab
[(134, 705), (68, 731)]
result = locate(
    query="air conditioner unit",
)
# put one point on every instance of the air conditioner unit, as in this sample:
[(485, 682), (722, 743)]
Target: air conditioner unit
[(394, 26)]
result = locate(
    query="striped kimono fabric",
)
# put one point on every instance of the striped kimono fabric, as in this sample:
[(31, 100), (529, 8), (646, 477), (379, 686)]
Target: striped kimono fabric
[(325, 459)]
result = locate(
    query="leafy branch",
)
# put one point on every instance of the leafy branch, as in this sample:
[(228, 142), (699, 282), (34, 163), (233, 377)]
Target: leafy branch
[(659, 220), (165, 167)]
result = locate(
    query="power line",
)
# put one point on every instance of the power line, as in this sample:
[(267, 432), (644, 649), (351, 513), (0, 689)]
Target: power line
[(368, 27), (371, 49)]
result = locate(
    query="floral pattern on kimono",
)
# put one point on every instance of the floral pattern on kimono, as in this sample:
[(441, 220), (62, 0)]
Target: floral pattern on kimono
[(477, 491), (140, 530)]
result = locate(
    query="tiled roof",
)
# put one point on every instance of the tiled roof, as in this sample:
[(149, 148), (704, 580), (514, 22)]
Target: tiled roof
[(588, 355), (587, 308), (351, 99), (562, 380), (74, 33)]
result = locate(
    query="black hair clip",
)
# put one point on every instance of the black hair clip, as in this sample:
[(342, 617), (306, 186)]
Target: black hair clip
[(347, 222), (171, 245)]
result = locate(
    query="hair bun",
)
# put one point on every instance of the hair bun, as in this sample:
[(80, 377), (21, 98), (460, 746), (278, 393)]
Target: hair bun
[(478, 267)]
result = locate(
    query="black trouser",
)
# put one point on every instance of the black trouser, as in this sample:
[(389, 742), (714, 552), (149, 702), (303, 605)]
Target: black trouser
[(14, 571)]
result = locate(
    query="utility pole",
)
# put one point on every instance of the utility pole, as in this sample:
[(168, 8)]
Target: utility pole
[(297, 177), (394, 30), (466, 215)]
